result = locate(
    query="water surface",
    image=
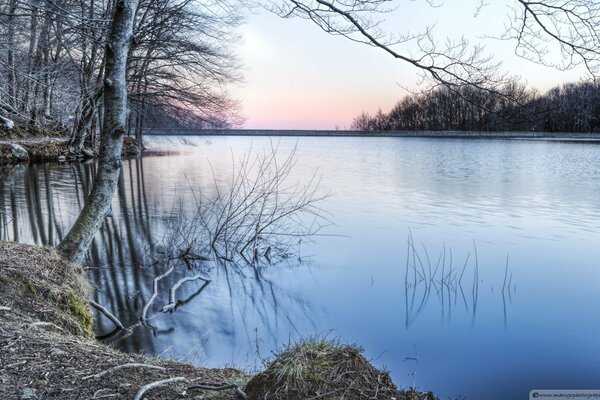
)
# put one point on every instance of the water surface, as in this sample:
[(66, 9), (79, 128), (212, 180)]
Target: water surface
[(512, 226)]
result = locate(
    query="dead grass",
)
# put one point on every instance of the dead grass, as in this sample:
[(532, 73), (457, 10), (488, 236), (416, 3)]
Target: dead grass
[(317, 368), (38, 283)]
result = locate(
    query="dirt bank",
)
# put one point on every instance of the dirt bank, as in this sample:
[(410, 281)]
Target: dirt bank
[(47, 349), (42, 149)]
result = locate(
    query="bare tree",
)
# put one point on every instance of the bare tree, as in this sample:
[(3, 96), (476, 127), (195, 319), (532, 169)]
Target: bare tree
[(75, 245), (451, 63), (258, 214), (570, 28), (181, 57)]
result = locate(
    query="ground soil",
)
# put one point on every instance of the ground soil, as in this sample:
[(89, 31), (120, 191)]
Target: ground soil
[(39, 149)]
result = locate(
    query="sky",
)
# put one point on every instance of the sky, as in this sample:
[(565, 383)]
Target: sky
[(298, 77)]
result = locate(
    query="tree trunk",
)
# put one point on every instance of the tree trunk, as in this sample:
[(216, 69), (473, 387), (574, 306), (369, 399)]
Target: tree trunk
[(10, 56), (84, 123), (30, 59), (76, 244)]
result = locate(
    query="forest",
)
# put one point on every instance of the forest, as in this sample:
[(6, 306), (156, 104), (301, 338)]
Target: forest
[(572, 107), (53, 60)]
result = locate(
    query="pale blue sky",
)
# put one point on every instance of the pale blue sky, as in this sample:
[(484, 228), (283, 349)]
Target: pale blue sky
[(297, 76)]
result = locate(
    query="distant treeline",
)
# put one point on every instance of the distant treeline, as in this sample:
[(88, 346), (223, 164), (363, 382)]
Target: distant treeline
[(573, 107)]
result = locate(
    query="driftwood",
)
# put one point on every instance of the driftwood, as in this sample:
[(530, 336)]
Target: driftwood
[(173, 290), (153, 385), (154, 294), (8, 123), (108, 315)]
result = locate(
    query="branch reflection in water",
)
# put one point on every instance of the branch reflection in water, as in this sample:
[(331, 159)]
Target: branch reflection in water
[(229, 234)]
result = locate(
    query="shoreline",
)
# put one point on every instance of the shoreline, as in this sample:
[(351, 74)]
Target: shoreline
[(43, 149), (402, 134), (48, 350)]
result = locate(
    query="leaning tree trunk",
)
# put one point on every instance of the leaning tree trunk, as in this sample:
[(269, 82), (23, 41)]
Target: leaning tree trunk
[(76, 244)]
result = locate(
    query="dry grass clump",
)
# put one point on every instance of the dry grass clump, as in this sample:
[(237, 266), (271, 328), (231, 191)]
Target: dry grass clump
[(317, 368), (37, 282)]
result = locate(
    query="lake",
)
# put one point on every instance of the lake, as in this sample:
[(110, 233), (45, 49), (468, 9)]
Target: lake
[(466, 267)]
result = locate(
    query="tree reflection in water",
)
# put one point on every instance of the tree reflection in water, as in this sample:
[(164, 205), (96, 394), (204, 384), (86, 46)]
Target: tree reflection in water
[(40, 202)]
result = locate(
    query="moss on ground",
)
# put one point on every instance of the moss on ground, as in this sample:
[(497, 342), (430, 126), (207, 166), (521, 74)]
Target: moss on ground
[(79, 308)]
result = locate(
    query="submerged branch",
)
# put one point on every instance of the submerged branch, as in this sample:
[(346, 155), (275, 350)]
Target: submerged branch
[(173, 290)]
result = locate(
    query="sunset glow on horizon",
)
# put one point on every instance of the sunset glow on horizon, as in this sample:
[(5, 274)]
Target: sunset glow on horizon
[(299, 77)]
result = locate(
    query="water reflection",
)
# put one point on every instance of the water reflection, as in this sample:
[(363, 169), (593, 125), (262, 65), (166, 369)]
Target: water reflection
[(450, 282), (455, 301), (130, 251), (125, 257)]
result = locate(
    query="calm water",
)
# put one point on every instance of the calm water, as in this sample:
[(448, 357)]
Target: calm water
[(507, 302)]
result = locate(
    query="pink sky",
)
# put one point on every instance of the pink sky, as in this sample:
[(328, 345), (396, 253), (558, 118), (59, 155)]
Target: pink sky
[(299, 77)]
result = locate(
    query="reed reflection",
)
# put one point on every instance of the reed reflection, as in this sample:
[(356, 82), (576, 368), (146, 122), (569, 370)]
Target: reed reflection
[(452, 284)]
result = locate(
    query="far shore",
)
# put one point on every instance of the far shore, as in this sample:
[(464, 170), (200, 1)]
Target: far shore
[(589, 136)]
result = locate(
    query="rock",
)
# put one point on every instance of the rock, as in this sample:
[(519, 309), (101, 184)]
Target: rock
[(87, 153), (28, 393), (57, 352), (7, 123), (19, 153), (62, 158)]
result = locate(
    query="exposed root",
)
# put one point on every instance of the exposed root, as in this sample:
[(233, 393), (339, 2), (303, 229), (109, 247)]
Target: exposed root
[(236, 388)]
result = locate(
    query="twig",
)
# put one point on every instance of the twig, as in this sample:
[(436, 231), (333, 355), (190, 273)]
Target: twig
[(233, 386), (164, 382), (108, 314), (120, 367), (155, 293), (98, 394), (172, 302), (7, 309), (43, 324)]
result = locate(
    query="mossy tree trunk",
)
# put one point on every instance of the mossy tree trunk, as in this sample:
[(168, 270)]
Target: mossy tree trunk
[(75, 245)]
